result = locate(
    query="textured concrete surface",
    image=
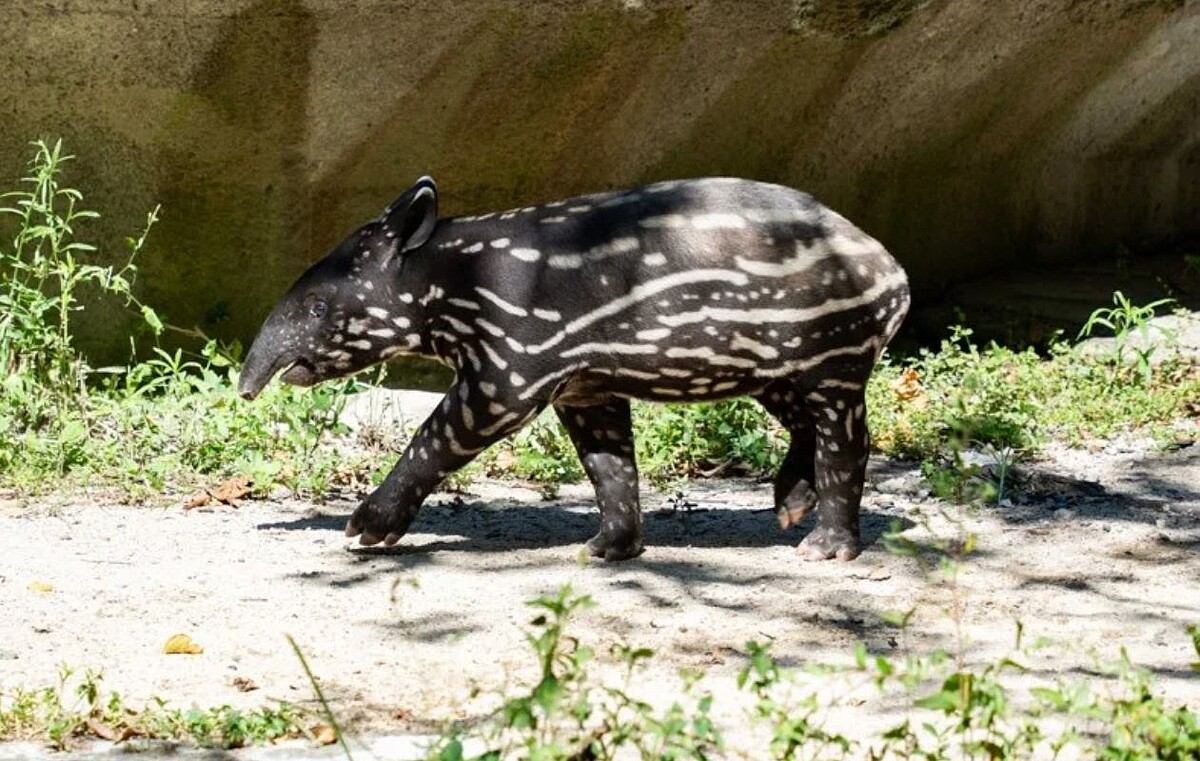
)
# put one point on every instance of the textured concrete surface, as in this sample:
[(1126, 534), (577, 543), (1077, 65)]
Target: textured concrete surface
[(967, 135)]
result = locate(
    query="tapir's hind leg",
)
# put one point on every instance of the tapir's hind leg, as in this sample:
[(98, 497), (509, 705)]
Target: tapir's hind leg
[(603, 437), (796, 481), (836, 440)]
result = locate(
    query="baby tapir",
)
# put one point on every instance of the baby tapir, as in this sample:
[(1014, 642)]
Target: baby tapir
[(680, 291)]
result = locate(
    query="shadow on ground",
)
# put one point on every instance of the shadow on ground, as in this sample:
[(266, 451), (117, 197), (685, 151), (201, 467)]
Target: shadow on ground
[(481, 526), (1143, 491)]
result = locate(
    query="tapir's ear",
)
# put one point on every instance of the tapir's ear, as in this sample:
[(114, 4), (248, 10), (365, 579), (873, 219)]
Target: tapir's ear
[(413, 215)]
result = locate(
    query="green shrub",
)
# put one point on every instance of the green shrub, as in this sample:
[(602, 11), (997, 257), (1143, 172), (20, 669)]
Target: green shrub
[(168, 421), (76, 707), (43, 274), (938, 401), (735, 436)]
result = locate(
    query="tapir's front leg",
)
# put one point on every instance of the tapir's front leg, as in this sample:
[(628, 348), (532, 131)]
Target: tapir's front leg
[(464, 424)]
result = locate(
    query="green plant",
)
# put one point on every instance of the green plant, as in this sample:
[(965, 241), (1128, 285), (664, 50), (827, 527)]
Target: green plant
[(957, 481), (1126, 320), (76, 706), (673, 441), (706, 439), (797, 723), (223, 726), (964, 395), (566, 717), (43, 273), (1004, 459), (169, 420), (543, 452)]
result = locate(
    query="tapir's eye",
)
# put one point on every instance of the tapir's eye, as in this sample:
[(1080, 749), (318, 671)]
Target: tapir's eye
[(318, 309)]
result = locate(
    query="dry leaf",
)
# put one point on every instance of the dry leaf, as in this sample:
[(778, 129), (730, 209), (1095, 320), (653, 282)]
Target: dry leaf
[(199, 499), (102, 730), (232, 491), (106, 732), (323, 734), (182, 644), (41, 587), (229, 493), (908, 388), (244, 685)]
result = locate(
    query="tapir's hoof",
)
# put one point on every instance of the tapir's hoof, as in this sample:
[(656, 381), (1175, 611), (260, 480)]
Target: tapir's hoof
[(615, 548), (825, 543), (373, 524)]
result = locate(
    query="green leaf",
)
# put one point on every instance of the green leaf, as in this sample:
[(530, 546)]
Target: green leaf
[(452, 752), (518, 714), (151, 318), (884, 666), (948, 700), (1054, 698), (73, 432), (547, 693)]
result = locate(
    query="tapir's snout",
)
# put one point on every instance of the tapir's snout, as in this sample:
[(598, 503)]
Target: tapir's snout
[(256, 373), (269, 353)]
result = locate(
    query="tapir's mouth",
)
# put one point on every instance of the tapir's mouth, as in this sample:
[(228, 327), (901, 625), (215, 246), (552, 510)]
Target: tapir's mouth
[(299, 373)]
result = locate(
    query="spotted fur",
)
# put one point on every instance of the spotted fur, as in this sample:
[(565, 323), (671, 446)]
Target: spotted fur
[(693, 290)]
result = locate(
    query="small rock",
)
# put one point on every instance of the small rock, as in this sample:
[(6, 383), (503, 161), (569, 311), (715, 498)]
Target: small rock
[(898, 485), (1063, 514)]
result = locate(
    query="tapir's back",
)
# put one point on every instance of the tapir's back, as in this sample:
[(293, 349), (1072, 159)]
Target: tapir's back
[(726, 280)]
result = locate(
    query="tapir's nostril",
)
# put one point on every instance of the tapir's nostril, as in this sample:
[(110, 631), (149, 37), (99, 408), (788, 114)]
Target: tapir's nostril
[(248, 395)]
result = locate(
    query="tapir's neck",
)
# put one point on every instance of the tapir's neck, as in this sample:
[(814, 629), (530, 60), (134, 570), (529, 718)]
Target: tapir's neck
[(453, 282), (436, 282)]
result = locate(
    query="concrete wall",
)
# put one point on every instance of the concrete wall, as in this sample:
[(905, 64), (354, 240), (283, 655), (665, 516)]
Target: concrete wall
[(968, 135)]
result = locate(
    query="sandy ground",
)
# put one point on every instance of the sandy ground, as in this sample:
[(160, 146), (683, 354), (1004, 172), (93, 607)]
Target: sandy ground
[(1098, 549)]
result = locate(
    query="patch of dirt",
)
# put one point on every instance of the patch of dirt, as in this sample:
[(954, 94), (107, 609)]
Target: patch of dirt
[(1101, 552)]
